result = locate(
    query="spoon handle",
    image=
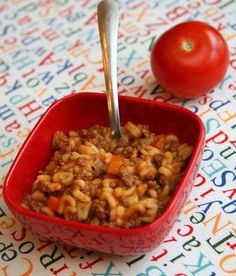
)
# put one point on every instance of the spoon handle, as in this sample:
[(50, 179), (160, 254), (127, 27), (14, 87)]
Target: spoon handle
[(107, 12)]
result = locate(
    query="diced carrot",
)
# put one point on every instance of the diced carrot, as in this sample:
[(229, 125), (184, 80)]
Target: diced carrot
[(115, 164), (98, 192), (160, 142), (53, 203)]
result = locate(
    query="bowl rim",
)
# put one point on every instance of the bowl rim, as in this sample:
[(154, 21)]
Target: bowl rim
[(97, 228)]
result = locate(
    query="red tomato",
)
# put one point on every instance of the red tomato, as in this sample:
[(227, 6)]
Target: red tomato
[(190, 59)]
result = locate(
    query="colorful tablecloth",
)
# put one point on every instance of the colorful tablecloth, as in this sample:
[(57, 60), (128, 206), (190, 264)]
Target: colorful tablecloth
[(49, 49)]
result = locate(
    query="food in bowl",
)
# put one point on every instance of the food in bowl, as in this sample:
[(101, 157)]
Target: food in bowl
[(122, 183)]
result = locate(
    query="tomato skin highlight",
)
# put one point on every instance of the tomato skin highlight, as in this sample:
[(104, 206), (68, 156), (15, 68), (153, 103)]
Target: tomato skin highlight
[(190, 59)]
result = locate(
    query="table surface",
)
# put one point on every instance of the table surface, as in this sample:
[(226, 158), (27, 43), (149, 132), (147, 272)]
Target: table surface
[(49, 49)]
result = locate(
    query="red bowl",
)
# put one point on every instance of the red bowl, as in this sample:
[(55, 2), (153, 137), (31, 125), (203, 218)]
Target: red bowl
[(83, 110)]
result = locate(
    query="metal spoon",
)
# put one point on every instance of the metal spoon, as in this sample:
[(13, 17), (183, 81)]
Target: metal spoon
[(107, 12)]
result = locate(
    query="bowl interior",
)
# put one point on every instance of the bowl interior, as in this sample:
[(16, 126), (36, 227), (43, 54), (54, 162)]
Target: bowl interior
[(83, 110)]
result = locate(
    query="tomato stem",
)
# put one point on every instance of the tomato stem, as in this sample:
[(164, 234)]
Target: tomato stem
[(187, 45)]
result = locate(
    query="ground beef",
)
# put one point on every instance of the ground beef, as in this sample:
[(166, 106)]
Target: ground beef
[(125, 182)]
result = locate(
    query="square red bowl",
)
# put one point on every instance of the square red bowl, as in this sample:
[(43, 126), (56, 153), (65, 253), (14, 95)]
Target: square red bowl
[(83, 110)]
